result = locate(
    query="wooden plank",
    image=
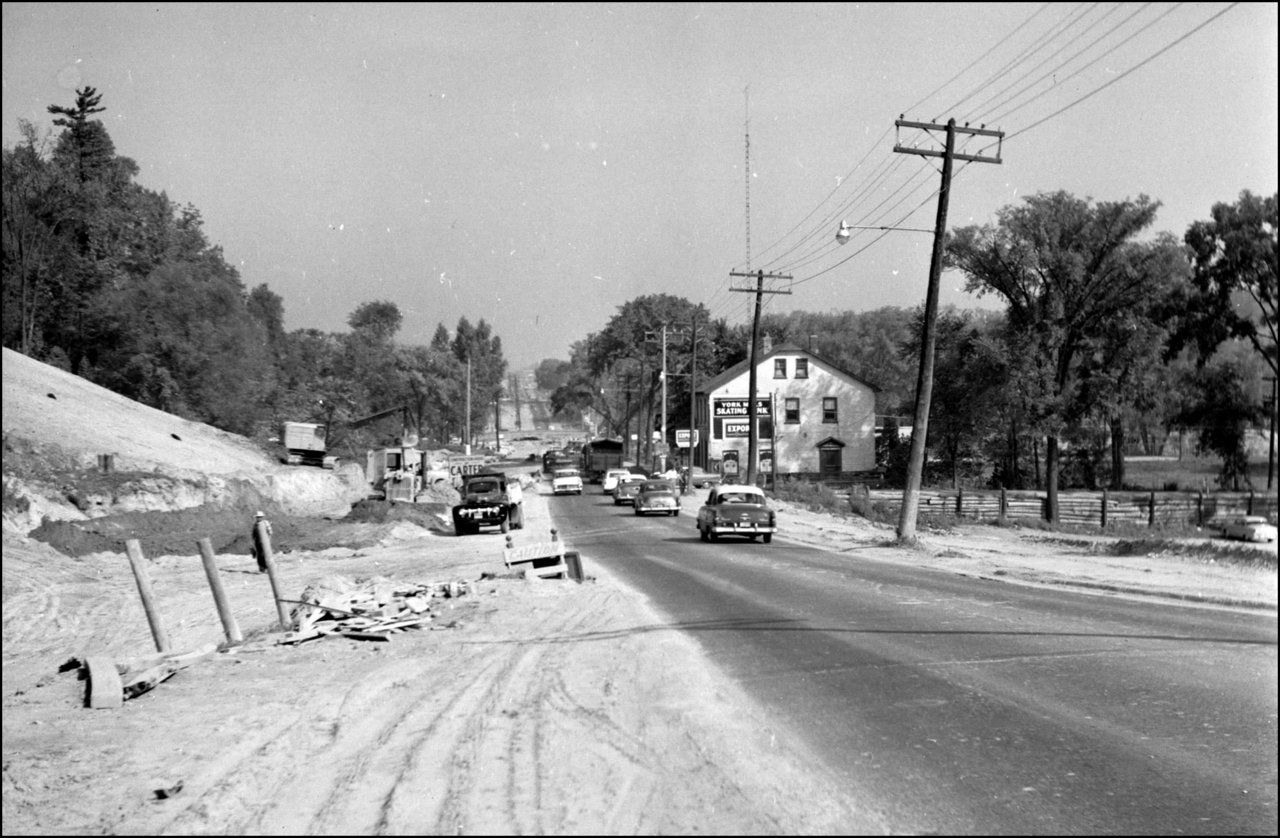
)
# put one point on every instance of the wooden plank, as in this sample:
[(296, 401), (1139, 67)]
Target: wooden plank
[(301, 636), (106, 692), (529, 552), (399, 624), (149, 679), (366, 635)]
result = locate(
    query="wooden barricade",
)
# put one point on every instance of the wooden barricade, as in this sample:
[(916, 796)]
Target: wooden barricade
[(544, 559)]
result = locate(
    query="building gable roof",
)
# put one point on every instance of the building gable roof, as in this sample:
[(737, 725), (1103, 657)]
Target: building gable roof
[(787, 349)]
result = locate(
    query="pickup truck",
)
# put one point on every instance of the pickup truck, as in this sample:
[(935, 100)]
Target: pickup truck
[(489, 500)]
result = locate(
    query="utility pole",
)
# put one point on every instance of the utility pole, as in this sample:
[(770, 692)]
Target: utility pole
[(928, 336), (515, 393), (652, 336), (626, 428), (1271, 437), (693, 394), (753, 430), (466, 429), (663, 429)]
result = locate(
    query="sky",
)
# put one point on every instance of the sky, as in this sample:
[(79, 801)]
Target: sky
[(537, 166)]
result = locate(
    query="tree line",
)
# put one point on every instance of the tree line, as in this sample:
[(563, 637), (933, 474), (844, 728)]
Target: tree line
[(119, 284)]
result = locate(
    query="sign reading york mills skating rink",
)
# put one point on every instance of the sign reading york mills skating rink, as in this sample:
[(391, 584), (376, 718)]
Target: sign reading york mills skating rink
[(730, 416)]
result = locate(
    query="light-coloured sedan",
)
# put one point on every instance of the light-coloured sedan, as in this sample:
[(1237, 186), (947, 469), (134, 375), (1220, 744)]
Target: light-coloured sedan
[(610, 480), (1249, 528), (657, 497), (566, 481)]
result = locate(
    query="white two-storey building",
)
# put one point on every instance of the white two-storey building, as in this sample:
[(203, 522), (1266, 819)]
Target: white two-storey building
[(818, 419)]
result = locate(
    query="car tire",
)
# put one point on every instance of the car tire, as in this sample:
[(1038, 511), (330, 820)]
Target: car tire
[(702, 533), (768, 537), (505, 526), (712, 535)]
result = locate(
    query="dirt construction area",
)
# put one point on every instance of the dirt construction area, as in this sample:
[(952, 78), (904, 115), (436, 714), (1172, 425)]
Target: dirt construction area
[(512, 705)]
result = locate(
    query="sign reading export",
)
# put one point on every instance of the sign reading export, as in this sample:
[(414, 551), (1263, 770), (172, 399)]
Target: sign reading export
[(728, 408)]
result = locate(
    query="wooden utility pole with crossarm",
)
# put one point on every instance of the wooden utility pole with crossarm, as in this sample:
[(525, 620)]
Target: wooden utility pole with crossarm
[(928, 336), (753, 433)]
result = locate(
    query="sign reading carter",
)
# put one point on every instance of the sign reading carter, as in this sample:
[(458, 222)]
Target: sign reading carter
[(728, 408)]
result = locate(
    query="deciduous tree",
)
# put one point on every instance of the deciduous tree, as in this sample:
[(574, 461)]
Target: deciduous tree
[(1066, 268)]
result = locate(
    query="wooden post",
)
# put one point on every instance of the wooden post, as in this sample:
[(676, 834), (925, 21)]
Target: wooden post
[(229, 626), (133, 548), (1250, 511), (573, 563), (1151, 509), (105, 687), (267, 560), (1004, 503), (1200, 508)]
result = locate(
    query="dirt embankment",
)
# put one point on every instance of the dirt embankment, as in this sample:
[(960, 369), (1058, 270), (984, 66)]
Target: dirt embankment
[(57, 428)]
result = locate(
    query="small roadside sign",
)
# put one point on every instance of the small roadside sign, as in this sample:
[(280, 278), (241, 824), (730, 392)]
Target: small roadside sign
[(682, 438), (460, 465)]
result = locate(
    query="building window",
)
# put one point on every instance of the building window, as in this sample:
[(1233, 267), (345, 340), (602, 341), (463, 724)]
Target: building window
[(792, 407), (802, 367), (779, 367), (829, 413)]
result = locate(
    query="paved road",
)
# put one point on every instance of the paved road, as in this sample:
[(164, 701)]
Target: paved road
[(956, 705)]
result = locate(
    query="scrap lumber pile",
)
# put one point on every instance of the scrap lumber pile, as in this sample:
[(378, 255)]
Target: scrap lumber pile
[(369, 609)]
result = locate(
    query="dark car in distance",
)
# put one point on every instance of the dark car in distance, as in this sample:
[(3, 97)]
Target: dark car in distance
[(657, 497), (627, 489)]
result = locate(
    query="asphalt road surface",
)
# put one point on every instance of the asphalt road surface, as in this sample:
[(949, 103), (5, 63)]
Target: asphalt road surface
[(955, 705)]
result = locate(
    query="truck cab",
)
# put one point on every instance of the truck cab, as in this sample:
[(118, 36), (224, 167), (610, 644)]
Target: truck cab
[(489, 499)]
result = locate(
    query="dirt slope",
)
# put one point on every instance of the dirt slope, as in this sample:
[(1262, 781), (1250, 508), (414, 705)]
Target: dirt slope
[(57, 424)]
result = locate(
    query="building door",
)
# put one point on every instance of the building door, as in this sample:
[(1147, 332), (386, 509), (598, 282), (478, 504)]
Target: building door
[(829, 462)]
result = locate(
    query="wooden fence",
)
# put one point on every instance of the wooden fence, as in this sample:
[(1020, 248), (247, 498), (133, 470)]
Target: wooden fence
[(1099, 509)]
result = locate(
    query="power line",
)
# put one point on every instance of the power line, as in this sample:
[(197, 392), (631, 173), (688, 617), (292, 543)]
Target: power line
[(1132, 69), (1049, 58), (1053, 32), (998, 43), (1074, 73)]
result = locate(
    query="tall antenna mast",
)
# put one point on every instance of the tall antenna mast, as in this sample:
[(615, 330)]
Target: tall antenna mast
[(746, 94)]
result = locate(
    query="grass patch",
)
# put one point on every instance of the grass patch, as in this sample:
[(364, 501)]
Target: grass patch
[(814, 497), (1190, 473), (1235, 555)]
